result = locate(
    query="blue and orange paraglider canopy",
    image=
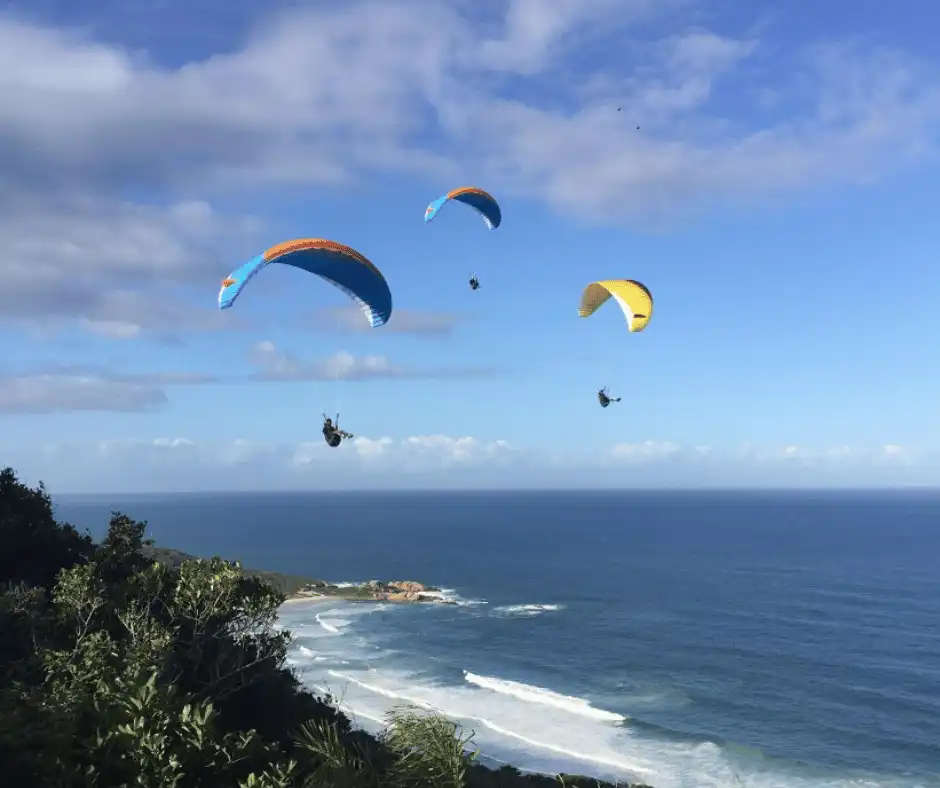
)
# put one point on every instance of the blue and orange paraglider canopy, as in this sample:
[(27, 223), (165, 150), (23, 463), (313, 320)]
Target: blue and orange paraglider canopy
[(339, 265), (482, 201)]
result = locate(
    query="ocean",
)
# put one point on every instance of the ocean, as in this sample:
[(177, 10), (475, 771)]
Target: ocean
[(685, 639)]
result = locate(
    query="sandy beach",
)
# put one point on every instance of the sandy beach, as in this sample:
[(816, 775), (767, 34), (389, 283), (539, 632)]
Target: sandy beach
[(311, 599)]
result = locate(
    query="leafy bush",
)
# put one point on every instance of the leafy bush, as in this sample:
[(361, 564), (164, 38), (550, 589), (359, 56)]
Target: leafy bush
[(117, 669)]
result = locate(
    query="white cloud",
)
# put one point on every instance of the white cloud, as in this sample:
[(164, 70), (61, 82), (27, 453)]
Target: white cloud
[(277, 365), (182, 454), (72, 389), (63, 388), (178, 463), (367, 448), (164, 315), (280, 366), (415, 453), (644, 452), (113, 329), (181, 464), (538, 32), (172, 443), (63, 393), (416, 322), (459, 450), (787, 455), (126, 240), (87, 257), (416, 87)]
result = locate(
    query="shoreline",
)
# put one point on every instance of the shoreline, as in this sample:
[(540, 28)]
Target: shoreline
[(375, 591), (294, 599), (546, 776), (299, 588)]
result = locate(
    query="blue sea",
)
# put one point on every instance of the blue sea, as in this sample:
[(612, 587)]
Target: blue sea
[(693, 639)]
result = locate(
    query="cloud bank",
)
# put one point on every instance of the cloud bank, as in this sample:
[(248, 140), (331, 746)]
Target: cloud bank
[(455, 462), (436, 94), (77, 388)]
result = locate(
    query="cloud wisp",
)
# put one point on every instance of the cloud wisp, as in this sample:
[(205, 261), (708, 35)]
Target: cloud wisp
[(277, 365), (422, 323)]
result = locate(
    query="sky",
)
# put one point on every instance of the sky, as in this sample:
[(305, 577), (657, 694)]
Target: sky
[(778, 199)]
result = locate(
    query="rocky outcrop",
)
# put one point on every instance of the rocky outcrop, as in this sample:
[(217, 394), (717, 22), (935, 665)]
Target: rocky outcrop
[(412, 596), (402, 596), (408, 591), (407, 586), (377, 591)]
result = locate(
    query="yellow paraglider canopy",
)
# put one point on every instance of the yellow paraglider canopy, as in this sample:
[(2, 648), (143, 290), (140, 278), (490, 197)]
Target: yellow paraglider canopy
[(634, 299)]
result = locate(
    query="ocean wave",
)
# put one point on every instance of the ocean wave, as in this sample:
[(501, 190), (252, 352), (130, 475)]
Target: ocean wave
[(532, 694), (560, 737), (355, 717), (541, 730), (413, 696), (307, 652), (527, 610), (470, 706), (631, 767), (334, 626), (469, 602), (451, 595)]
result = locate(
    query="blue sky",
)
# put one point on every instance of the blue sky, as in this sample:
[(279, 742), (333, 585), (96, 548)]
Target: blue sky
[(778, 200)]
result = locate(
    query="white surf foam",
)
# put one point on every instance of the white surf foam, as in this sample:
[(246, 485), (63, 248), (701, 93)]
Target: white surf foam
[(451, 595), (560, 737), (310, 655), (536, 728), (497, 715), (527, 610), (328, 625), (533, 694)]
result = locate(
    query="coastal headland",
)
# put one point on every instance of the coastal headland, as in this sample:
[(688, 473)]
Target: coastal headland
[(401, 591), (300, 588)]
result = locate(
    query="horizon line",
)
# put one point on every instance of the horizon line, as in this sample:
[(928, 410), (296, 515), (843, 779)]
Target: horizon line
[(510, 490)]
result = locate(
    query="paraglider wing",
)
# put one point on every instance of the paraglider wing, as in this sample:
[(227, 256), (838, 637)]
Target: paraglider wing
[(341, 266), (634, 299), (476, 198)]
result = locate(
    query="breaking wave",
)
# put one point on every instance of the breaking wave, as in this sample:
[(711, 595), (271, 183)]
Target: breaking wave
[(333, 626), (534, 728), (527, 610), (531, 694)]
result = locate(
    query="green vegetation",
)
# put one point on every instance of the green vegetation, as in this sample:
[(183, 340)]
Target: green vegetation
[(118, 669), (291, 585), (349, 592), (285, 584)]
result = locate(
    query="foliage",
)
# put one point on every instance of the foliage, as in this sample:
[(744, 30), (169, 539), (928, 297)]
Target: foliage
[(428, 750), (286, 584), (35, 546), (117, 669), (352, 592)]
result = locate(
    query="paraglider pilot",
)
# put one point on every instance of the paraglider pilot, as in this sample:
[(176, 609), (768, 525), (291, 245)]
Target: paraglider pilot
[(474, 282), (332, 434), (603, 396)]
